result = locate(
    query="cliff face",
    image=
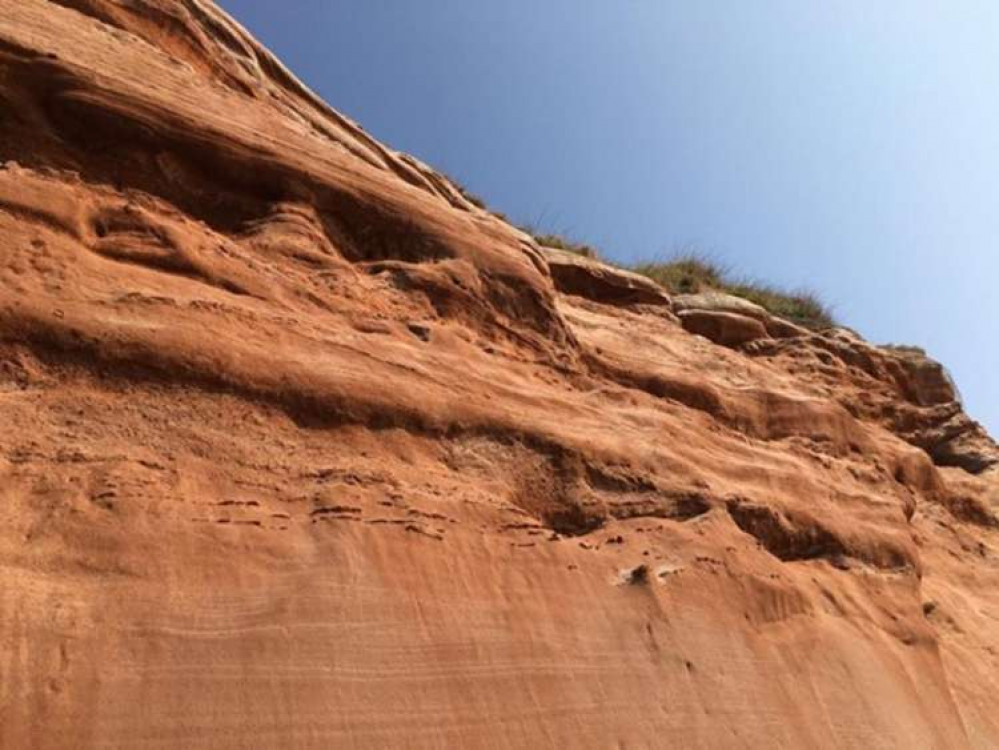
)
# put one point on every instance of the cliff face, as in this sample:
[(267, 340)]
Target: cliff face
[(301, 449)]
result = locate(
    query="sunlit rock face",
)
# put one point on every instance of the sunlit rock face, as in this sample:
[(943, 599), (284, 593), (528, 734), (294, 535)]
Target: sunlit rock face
[(303, 450)]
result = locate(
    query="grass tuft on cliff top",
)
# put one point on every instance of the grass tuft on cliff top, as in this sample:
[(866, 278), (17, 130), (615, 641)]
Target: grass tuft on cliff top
[(690, 272)]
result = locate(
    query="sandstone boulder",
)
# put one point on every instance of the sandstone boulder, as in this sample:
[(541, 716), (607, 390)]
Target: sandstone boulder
[(713, 301), (720, 302), (589, 278), (724, 328)]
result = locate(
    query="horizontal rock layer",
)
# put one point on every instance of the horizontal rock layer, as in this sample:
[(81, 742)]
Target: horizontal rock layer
[(304, 450)]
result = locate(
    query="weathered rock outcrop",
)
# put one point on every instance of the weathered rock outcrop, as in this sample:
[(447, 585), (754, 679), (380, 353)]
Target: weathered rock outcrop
[(731, 321), (587, 277), (302, 449)]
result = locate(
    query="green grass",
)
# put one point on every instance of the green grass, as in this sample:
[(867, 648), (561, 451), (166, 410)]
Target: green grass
[(688, 271), (803, 307), (685, 272)]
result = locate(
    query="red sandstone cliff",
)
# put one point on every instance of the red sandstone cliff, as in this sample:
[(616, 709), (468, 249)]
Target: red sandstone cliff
[(300, 449)]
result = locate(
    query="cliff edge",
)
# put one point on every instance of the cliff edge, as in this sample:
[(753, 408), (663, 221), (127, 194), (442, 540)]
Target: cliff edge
[(302, 449)]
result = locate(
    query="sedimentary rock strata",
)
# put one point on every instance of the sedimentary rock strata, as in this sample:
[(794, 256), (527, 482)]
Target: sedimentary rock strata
[(302, 449)]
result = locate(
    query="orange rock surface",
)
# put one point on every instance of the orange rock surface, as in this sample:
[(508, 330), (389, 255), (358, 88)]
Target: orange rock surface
[(302, 450)]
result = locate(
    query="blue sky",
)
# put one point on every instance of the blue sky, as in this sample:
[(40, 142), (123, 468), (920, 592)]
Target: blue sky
[(848, 146)]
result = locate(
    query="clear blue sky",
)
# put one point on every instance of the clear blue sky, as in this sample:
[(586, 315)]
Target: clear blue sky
[(849, 146)]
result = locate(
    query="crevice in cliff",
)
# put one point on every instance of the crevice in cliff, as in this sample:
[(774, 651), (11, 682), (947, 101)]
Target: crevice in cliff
[(970, 510), (783, 538), (699, 396), (802, 538)]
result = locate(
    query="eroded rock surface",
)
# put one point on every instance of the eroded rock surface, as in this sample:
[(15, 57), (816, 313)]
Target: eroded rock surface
[(303, 450), (581, 276)]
